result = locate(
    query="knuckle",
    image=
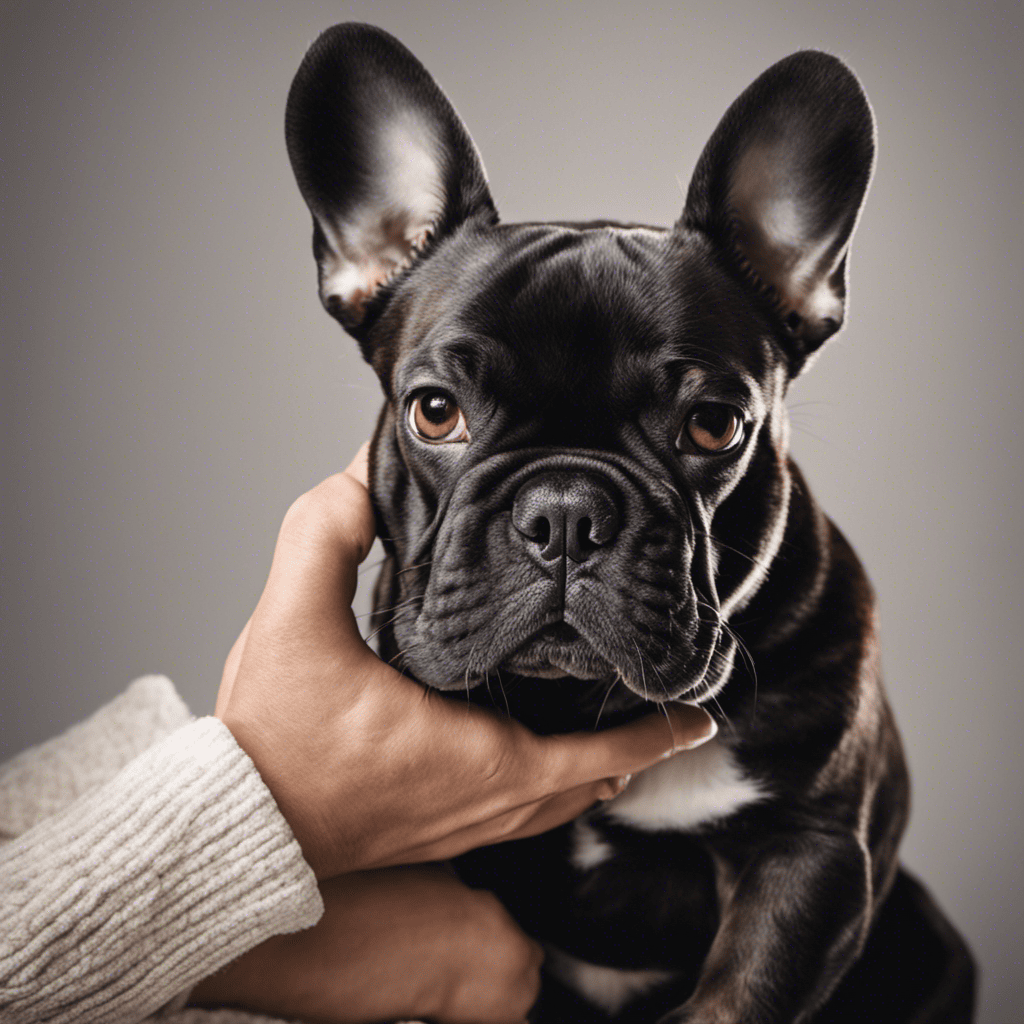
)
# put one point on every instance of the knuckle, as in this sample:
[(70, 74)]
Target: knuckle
[(303, 511), (529, 990), (346, 504), (488, 911), (329, 511), (512, 956), (499, 978)]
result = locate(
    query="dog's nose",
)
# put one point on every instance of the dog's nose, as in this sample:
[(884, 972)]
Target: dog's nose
[(569, 514)]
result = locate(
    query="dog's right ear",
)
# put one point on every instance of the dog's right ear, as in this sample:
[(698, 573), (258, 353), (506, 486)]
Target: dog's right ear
[(383, 162)]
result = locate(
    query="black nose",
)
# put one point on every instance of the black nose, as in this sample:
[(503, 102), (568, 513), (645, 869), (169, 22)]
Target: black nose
[(566, 514)]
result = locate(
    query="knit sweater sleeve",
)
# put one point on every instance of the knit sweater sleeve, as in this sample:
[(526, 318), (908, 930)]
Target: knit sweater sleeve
[(45, 779), (141, 886)]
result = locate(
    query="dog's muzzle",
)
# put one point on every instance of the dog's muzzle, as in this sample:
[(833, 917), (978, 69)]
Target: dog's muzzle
[(548, 563)]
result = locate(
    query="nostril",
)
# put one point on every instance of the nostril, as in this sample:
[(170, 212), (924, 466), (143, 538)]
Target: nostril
[(541, 531), (566, 514), (583, 528)]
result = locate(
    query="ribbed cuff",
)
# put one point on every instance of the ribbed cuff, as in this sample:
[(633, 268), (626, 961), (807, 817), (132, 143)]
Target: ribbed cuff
[(142, 888)]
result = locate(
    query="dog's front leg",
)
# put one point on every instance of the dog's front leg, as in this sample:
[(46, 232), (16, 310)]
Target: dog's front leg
[(796, 919)]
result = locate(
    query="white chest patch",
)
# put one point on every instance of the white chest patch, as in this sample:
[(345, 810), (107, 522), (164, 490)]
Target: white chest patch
[(589, 847), (686, 790), (609, 988)]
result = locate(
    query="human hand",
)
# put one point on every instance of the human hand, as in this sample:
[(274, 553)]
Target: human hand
[(395, 944), (368, 767)]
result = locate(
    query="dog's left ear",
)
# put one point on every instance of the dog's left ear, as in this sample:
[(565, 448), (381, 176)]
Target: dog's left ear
[(383, 161), (779, 186)]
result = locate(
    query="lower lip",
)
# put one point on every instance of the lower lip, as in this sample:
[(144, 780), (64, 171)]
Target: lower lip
[(551, 659)]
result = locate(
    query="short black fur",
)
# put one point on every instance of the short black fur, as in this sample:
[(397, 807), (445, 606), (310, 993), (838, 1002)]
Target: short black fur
[(578, 554)]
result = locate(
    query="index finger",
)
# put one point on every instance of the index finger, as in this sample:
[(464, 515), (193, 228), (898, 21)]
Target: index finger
[(231, 663), (359, 467), (578, 758), (325, 534)]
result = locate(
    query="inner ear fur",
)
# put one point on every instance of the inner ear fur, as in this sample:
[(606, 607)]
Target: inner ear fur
[(780, 185), (382, 160)]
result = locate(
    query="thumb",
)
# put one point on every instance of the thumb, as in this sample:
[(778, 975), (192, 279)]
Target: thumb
[(578, 758)]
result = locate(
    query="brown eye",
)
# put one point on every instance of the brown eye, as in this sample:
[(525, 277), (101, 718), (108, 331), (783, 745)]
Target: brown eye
[(714, 427), (434, 417)]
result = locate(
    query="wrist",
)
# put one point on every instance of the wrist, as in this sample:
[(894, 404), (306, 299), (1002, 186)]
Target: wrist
[(295, 790), (252, 981)]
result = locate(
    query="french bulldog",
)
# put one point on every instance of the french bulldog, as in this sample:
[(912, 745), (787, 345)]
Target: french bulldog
[(582, 481)]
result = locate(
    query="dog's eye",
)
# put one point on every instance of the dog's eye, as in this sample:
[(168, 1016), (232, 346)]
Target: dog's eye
[(714, 427), (434, 417)]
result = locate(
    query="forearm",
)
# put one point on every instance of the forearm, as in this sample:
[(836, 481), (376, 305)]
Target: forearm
[(136, 891)]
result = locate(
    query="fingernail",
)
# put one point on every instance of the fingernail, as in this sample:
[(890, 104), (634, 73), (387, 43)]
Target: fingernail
[(711, 729), (697, 741)]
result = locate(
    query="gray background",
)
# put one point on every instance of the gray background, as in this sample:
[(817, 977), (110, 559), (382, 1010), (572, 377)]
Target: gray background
[(170, 382)]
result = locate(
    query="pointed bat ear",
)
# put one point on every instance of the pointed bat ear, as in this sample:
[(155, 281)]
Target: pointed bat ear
[(780, 185), (383, 162)]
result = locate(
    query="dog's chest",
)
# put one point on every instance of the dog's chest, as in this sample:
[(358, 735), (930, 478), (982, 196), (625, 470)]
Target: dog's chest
[(659, 808), (686, 791), (679, 795)]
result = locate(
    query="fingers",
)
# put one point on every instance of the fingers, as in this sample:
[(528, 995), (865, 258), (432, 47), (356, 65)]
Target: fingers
[(359, 467), (332, 523), (337, 511), (579, 758), (231, 663), (325, 534)]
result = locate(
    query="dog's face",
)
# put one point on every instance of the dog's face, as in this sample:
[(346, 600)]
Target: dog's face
[(569, 409), (581, 465)]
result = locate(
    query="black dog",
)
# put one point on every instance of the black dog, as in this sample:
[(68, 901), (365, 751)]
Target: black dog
[(581, 474)]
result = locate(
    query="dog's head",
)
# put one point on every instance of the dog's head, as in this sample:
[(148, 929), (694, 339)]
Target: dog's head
[(580, 420)]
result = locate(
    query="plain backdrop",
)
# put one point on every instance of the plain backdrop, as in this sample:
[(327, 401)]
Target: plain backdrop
[(170, 382)]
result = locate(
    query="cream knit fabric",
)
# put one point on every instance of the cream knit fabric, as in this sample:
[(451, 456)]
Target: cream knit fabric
[(144, 852)]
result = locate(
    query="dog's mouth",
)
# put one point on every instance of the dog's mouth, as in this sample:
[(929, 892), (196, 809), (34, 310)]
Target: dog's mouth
[(555, 651), (581, 689)]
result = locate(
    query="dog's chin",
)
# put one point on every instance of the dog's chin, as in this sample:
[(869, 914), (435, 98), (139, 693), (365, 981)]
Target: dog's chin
[(558, 651)]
